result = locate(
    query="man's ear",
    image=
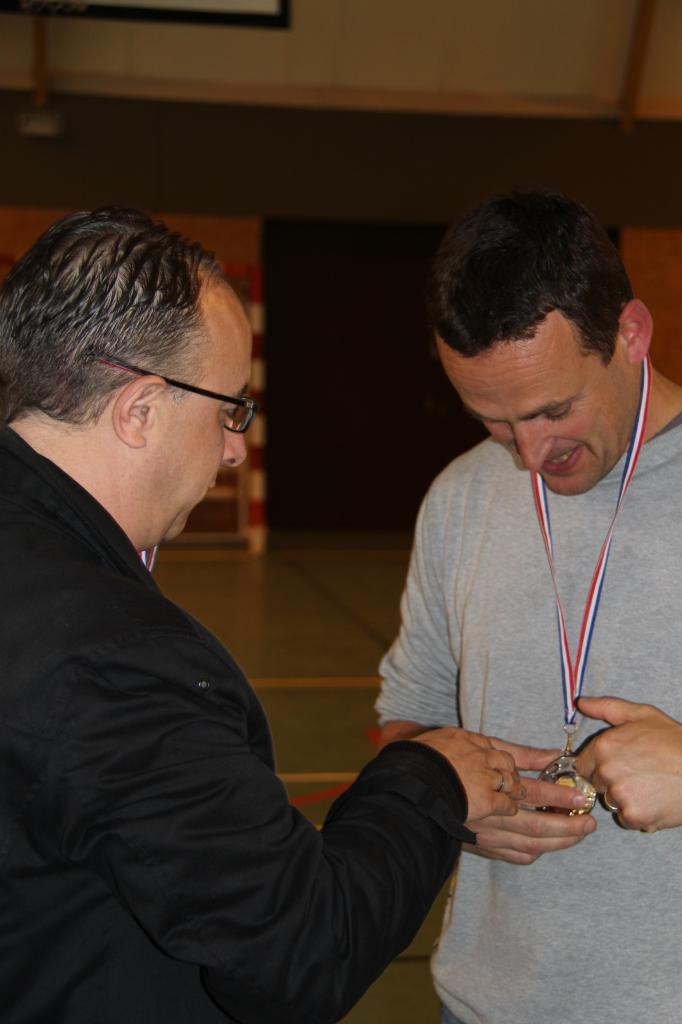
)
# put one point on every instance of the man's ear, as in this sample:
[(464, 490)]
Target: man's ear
[(136, 410), (635, 329)]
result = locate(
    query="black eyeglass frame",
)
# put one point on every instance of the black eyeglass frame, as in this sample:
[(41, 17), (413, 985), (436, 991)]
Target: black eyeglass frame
[(250, 404)]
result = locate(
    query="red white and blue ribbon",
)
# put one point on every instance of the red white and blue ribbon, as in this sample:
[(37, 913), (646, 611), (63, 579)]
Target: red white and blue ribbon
[(149, 557), (573, 672)]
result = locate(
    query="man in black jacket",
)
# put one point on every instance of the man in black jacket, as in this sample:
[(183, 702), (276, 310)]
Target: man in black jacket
[(151, 867)]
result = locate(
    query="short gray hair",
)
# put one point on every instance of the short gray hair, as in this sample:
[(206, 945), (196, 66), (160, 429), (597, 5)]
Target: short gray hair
[(107, 284)]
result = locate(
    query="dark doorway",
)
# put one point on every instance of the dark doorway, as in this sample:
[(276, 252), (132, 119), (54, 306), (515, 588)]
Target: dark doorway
[(360, 415)]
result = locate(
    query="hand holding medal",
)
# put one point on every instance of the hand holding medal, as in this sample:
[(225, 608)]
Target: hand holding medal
[(637, 764), (563, 770)]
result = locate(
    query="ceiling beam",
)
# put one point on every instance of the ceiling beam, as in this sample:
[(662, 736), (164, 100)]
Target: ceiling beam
[(39, 63), (634, 68)]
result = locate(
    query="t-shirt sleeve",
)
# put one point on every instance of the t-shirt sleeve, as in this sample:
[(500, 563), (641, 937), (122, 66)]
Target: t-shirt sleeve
[(420, 670)]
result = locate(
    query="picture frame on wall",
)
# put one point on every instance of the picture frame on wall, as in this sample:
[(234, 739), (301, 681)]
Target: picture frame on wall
[(255, 13)]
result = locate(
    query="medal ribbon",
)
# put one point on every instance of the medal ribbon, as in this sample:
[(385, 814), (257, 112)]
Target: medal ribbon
[(149, 557), (573, 673)]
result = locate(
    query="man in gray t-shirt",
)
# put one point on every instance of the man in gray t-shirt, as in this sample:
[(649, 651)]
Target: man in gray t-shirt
[(556, 918)]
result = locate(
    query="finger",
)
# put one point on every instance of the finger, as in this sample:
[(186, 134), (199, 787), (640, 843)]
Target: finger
[(613, 710), (515, 788), (503, 806), (586, 764), (548, 794), (528, 850), (510, 855), (526, 758), (599, 772), (518, 857), (500, 781), (538, 825), (502, 765), (500, 760), (599, 782), (509, 783), (525, 844), (610, 802), (496, 839)]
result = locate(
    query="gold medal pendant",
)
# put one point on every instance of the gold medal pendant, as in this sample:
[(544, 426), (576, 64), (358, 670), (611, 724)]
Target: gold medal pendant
[(562, 772)]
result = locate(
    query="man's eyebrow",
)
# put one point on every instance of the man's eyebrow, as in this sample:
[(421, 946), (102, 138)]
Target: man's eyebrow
[(551, 409), (241, 392), (235, 394)]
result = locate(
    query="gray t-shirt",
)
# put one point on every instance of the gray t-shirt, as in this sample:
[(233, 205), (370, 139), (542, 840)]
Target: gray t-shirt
[(593, 933)]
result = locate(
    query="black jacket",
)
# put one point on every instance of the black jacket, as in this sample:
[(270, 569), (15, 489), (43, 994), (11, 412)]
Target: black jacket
[(151, 867)]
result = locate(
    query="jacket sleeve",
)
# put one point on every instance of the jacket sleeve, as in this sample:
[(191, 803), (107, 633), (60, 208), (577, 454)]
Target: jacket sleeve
[(158, 790)]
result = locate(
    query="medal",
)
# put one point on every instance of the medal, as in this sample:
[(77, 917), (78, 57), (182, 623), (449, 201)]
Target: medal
[(562, 771)]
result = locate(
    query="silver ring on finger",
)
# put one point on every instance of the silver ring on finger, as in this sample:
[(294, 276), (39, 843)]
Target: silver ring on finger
[(500, 787), (614, 808)]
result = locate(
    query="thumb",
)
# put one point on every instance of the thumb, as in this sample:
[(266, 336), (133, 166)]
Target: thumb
[(613, 710)]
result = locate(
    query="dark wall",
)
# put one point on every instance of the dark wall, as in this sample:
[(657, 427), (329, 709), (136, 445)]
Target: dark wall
[(332, 165), (361, 416)]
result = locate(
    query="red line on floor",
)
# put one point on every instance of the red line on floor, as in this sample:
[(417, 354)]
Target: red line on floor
[(321, 794)]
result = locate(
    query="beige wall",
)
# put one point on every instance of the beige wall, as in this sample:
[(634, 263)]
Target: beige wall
[(509, 56), (654, 261), (233, 239)]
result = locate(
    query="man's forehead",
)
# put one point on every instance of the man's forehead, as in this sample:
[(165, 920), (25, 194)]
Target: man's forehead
[(523, 378), (552, 328), (223, 315), (225, 338), (218, 299), (554, 340)]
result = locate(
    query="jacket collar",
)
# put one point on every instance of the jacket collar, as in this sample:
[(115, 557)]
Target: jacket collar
[(38, 485)]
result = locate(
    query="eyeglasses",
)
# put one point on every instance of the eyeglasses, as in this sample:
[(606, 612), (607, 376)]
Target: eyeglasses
[(239, 417)]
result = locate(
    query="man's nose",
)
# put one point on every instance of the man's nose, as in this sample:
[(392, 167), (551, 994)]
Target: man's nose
[(532, 442), (234, 451)]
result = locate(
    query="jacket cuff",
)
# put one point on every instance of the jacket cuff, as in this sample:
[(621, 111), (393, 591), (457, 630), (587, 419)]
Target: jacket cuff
[(427, 779)]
